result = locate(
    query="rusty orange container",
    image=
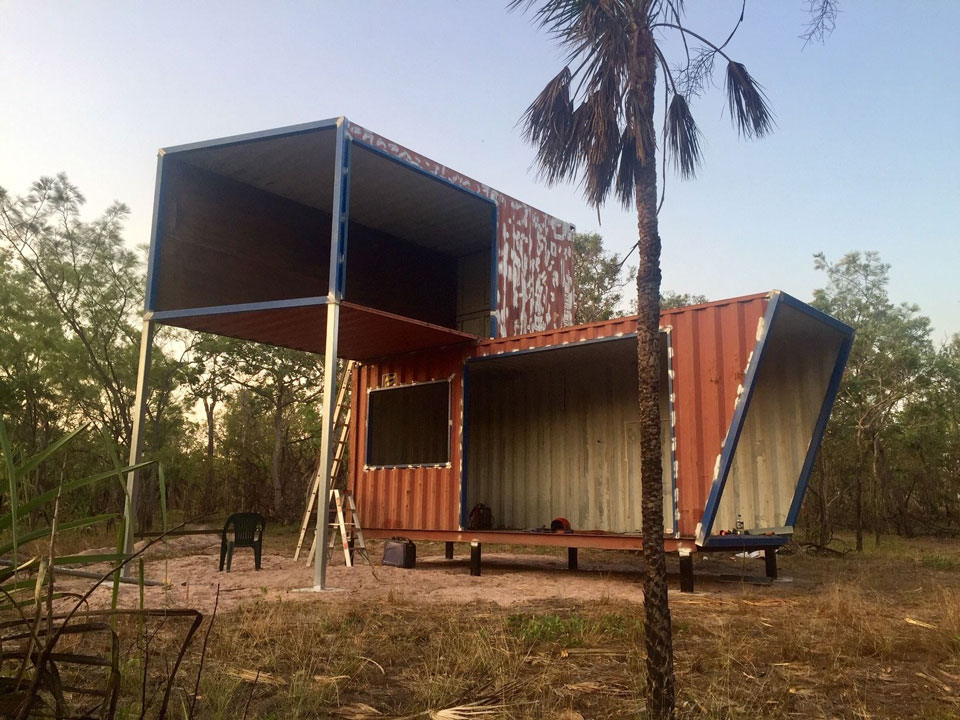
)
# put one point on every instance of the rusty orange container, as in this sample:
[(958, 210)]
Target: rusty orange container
[(543, 425)]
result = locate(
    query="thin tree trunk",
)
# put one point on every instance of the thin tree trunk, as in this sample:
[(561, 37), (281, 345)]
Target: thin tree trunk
[(209, 408), (858, 510), (876, 489), (661, 689), (277, 455), (823, 510)]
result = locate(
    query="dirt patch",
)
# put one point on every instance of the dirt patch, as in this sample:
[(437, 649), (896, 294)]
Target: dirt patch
[(190, 567), (511, 577)]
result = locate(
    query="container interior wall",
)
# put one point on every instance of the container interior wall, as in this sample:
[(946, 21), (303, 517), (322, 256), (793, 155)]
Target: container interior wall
[(791, 384), (473, 293), (388, 273), (555, 433), (418, 245), (223, 242)]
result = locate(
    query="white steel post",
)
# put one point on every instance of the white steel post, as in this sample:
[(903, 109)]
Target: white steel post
[(136, 440), (337, 257)]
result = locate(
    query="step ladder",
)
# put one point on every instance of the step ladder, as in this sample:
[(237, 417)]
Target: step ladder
[(352, 539), (341, 413)]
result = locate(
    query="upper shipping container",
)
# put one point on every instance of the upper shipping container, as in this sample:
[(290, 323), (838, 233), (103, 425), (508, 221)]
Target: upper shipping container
[(242, 238)]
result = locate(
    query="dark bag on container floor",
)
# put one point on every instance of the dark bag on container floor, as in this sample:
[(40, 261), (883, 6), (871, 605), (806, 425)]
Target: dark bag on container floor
[(400, 552)]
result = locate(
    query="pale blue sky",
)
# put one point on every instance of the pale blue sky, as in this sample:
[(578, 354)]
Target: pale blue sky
[(865, 155)]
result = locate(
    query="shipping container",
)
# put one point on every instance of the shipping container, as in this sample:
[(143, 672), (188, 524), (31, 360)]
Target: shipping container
[(545, 425), (242, 239), (472, 386)]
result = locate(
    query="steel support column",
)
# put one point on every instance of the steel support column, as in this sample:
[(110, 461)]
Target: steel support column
[(475, 558), (770, 562), (686, 572), (136, 440), (338, 238)]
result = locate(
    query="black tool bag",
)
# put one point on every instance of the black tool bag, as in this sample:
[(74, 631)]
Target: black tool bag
[(400, 552), (481, 517)]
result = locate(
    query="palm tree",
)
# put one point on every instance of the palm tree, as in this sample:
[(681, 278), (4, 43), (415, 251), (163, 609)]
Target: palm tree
[(594, 123)]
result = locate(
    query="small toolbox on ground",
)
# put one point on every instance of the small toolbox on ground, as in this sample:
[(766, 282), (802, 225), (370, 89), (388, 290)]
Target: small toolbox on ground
[(400, 552)]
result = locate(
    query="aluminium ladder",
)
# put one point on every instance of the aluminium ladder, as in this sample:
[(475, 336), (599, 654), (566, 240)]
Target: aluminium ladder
[(341, 414), (344, 502)]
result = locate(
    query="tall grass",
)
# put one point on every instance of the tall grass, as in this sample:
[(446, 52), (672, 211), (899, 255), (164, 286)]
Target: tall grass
[(52, 643)]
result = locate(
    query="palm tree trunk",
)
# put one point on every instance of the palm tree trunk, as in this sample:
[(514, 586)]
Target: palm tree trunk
[(661, 690)]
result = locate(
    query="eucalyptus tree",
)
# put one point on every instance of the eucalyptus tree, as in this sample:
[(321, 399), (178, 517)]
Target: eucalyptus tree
[(892, 369), (83, 273), (594, 123), (598, 279), (71, 296), (285, 382)]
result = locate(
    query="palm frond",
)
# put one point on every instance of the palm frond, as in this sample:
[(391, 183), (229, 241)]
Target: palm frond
[(748, 103), (637, 147), (596, 136), (464, 712), (559, 18), (628, 169), (683, 137), (548, 125), (823, 19)]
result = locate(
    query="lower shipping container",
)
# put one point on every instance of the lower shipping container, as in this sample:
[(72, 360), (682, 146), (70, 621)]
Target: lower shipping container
[(544, 426)]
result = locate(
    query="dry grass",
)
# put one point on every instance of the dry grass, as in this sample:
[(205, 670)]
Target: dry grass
[(871, 636)]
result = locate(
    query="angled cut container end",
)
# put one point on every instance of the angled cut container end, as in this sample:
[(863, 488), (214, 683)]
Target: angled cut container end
[(780, 415)]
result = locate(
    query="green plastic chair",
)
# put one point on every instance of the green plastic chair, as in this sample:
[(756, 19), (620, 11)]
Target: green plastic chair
[(247, 532)]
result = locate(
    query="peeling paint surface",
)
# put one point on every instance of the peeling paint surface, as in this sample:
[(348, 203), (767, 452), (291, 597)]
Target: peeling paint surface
[(534, 250)]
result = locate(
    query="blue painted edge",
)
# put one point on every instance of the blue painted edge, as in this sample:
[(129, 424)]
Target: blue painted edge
[(156, 228), (164, 315), (494, 259), (737, 541), (736, 424), (821, 427), (241, 139), (816, 314), (336, 213), (344, 217), (464, 429), (416, 168)]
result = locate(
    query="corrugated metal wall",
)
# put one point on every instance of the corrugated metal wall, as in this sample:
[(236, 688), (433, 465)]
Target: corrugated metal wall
[(617, 327), (425, 498), (711, 347), (534, 250), (789, 389), (549, 438)]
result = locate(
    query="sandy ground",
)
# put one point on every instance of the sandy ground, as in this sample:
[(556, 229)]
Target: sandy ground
[(190, 567)]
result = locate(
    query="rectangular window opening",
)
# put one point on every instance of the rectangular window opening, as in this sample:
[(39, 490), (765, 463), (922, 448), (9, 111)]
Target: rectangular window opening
[(409, 425)]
